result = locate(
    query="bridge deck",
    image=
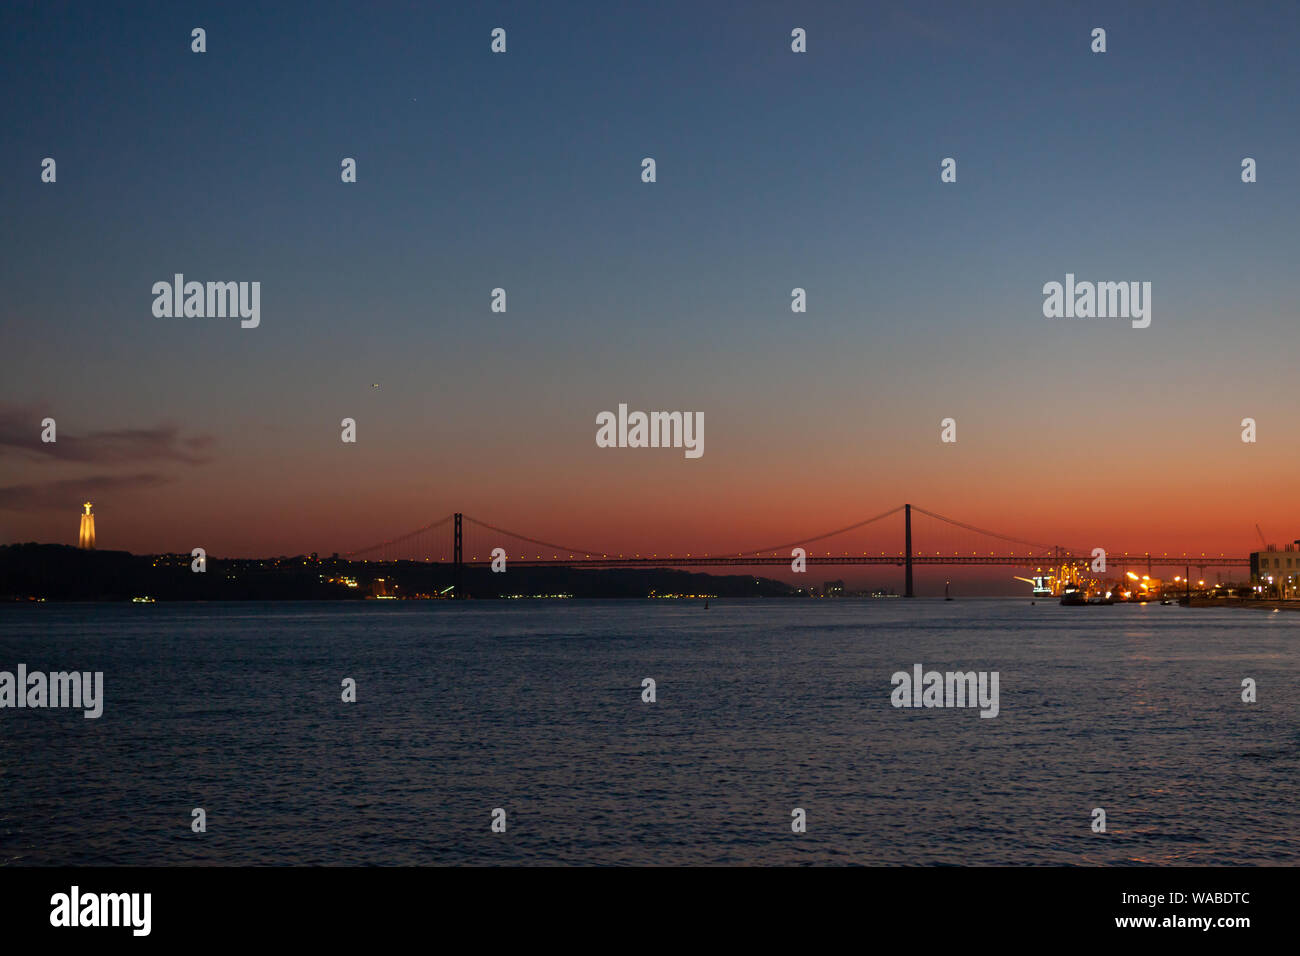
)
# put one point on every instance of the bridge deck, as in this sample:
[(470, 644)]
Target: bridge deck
[(1015, 561)]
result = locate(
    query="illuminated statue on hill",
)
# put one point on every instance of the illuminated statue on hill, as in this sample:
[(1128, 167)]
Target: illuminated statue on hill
[(86, 538)]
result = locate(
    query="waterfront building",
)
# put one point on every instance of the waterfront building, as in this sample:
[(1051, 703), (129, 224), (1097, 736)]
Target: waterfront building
[(1276, 572)]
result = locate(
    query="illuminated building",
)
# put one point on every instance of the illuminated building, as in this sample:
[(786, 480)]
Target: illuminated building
[(1276, 573), (86, 537)]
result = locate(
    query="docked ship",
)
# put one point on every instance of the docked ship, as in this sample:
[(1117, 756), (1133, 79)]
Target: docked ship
[(1041, 582), (1074, 596)]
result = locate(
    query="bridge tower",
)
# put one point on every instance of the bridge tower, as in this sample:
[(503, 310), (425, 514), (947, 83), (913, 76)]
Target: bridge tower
[(458, 558), (907, 544)]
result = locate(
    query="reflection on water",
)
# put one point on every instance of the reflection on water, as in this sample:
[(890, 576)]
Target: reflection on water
[(762, 707)]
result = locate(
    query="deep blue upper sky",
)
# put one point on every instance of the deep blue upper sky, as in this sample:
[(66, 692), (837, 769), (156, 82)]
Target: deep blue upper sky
[(775, 170)]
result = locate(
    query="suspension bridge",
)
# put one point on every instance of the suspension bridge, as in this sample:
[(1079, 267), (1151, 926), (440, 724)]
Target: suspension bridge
[(926, 538)]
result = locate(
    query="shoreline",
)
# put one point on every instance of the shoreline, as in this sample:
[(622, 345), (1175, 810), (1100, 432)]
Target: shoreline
[(1266, 605)]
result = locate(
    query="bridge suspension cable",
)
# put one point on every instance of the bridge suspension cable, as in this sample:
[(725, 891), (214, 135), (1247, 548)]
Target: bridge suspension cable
[(400, 538), (828, 534), (987, 533), (524, 537), (593, 556)]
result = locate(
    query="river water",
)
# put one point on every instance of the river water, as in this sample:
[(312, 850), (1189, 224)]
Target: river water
[(762, 707)]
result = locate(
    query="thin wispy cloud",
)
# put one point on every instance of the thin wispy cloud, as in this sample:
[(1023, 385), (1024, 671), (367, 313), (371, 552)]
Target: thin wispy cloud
[(20, 431)]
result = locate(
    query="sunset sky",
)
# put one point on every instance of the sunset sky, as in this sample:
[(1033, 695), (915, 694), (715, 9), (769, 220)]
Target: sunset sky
[(522, 171)]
